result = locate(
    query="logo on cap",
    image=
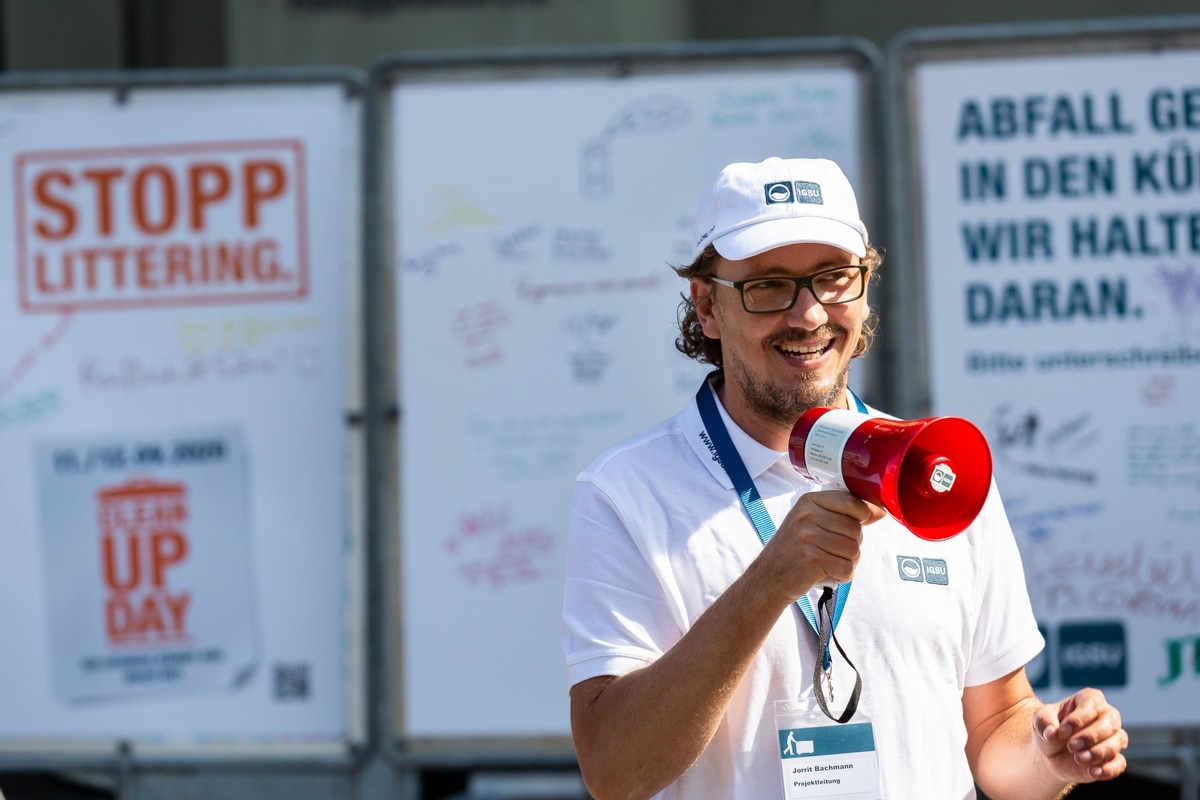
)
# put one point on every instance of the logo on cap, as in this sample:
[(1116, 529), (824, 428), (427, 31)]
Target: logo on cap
[(780, 192), (787, 192), (808, 192)]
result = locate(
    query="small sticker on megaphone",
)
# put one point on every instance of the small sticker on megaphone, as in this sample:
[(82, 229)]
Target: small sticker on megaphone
[(942, 479)]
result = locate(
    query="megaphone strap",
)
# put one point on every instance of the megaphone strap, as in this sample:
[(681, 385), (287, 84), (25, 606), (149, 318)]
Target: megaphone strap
[(834, 602), (822, 668)]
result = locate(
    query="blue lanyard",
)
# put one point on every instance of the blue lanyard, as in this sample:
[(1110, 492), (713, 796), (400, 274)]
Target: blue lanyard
[(735, 468)]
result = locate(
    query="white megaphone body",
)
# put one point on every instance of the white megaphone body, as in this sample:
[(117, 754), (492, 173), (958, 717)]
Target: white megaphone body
[(932, 475)]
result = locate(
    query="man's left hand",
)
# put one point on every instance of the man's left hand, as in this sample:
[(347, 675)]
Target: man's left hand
[(1081, 737)]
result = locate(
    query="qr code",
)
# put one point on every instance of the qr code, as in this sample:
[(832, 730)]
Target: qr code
[(291, 681)]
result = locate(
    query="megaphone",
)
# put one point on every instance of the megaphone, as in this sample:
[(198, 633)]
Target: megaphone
[(932, 474)]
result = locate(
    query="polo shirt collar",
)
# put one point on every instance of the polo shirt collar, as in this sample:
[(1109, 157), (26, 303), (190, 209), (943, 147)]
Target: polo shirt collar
[(757, 457)]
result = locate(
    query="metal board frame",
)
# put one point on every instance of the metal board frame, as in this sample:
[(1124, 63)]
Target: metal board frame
[(384, 415), (1173, 753), (124, 759)]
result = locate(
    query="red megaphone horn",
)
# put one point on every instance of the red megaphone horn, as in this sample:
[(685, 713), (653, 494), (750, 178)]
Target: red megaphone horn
[(932, 475)]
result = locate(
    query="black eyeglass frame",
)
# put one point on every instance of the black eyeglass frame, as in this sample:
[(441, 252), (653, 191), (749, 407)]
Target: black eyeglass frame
[(798, 283)]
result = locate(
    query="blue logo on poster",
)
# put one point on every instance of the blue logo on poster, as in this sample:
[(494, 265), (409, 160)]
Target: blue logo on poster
[(1093, 654)]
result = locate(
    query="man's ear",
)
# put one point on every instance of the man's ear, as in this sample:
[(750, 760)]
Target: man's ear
[(702, 299)]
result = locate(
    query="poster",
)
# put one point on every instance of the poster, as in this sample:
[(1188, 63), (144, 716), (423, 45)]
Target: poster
[(174, 271), (1061, 250), (146, 552)]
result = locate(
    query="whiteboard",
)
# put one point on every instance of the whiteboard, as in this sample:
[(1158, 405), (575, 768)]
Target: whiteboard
[(1056, 207), (536, 211), (174, 277)]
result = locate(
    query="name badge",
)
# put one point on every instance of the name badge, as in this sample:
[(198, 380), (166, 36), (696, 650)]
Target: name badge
[(819, 758)]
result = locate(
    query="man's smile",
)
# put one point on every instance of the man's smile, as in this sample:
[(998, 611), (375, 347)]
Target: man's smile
[(805, 352), (810, 349)]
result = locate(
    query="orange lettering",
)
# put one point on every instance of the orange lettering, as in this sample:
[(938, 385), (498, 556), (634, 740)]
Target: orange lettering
[(169, 207), (66, 212), (179, 265), (110, 558), (118, 256), (166, 548), (103, 179), (89, 268), (146, 268), (257, 192), (177, 606), (144, 263), (265, 260), (230, 262), (207, 184), (41, 279), (150, 619), (118, 617), (155, 616)]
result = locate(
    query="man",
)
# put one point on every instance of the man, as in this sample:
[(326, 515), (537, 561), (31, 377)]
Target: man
[(680, 626)]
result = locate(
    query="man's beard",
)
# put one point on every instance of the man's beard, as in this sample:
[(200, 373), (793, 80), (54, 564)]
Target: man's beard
[(785, 404)]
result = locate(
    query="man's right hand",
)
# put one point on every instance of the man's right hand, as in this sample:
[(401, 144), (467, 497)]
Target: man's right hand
[(819, 541)]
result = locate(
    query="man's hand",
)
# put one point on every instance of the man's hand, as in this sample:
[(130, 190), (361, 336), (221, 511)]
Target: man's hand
[(819, 540), (1081, 737)]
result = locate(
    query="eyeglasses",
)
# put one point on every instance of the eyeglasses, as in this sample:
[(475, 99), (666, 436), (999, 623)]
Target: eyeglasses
[(830, 287)]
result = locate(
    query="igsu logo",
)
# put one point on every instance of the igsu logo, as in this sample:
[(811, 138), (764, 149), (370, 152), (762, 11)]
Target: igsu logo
[(1093, 654), (935, 571), (808, 192), (789, 192), (910, 568), (923, 570), (778, 192)]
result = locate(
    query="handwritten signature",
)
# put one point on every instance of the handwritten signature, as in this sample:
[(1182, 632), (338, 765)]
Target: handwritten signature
[(1160, 581), (33, 407), (455, 211), (478, 329), (1183, 290), (33, 355), (491, 551), (133, 373)]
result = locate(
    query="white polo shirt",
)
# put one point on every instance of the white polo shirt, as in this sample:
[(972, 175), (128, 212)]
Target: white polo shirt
[(657, 533)]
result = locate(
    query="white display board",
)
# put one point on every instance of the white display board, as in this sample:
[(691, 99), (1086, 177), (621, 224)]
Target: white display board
[(536, 217), (1060, 245), (174, 270)]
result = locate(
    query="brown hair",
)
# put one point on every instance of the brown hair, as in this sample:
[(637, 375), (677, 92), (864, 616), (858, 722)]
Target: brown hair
[(694, 344)]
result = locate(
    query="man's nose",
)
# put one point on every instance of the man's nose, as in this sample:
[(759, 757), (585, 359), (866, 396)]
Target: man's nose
[(807, 313)]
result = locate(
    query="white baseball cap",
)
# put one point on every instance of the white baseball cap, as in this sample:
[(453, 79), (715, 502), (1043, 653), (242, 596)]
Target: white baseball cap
[(752, 208)]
